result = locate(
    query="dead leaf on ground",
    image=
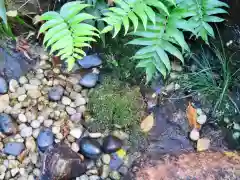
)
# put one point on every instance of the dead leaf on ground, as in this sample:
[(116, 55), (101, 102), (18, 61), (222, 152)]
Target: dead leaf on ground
[(192, 117), (147, 123), (203, 144)]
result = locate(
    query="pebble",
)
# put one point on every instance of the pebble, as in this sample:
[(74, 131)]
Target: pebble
[(35, 82), (56, 93), (56, 129), (202, 119), (35, 124), (94, 177), (83, 177), (95, 135), (4, 102), (48, 122), (29, 87), (111, 144), (76, 118), (105, 171), (194, 135), (6, 124), (35, 133), (21, 98), (75, 147), (14, 148), (66, 101), (23, 80), (14, 171), (13, 85), (89, 80), (123, 170), (3, 86), (70, 110), (115, 175), (45, 139), (3, 169), (59, 136), (31, 177), (26, 132), (90, 61), (76, 132), (36, 172), (22, 118), (90, 148), (79, 101), (31, 144), (34, 94), (106, 158)]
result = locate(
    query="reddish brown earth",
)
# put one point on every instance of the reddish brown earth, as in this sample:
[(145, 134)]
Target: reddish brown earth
[(190, 166)]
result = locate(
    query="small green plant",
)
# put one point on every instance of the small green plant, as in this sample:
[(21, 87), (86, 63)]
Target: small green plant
[(212, 80), (67, 33)]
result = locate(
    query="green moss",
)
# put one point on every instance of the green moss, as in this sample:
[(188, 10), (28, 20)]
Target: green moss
[(112, 103)]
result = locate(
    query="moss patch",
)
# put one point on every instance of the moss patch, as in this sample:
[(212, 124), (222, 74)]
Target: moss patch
[(115, 104)]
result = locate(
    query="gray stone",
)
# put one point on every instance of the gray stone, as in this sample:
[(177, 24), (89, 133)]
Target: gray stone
[(89, 80), (123, 170), (105, 171), (56, 93), (90, 61)]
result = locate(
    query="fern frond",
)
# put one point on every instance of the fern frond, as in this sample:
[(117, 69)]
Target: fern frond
[(133, 11), (203, 12), (66, 33), (160, 41)]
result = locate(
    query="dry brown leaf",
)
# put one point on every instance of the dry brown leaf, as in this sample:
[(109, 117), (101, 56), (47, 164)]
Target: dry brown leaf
[(192, 117), (147, 123), (203, 144)]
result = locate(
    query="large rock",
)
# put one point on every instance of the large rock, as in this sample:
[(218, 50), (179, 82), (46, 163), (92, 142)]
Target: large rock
[(3, 86), (60, 163), (90, 148), (45, 139), (89, 80), (13, 148), (6, 124), (90, 61)]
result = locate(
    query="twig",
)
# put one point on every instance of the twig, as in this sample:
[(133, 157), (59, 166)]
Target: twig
[(23, 5)]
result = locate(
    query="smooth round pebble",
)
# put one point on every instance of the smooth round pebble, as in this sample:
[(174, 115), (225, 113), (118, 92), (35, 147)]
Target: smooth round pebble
[(22, 118), (48, 123), (75, 147), (35, 124), (26, 132), (106, 158)]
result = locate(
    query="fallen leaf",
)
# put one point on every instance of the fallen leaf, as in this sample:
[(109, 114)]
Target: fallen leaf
[(23, 155), (12, 13), (147, 123), (203, 144), (192, 117)]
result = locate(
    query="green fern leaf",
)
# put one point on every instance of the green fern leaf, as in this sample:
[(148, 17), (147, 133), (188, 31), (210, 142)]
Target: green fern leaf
[(66, 33)]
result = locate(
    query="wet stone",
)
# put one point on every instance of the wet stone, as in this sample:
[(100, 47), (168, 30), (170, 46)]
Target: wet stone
[(6, 124), (3, 86), (90, 61), (90, 148), (56, 93), (89, 80), (111, 144), (45, 139), (13, 148), (67, 163)]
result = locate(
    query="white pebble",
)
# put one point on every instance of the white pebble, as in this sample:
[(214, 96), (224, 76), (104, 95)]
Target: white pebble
[(14, 171), (56, 129), (26, 132), (66, 101), (76, 132), (75, 147), (36, 133), (22, 97), (3, 169), (194, 135), (35, 124), (95, 135), (48, 123), (23, 80), (202, 119), (13, 84), (59, 136), (70, 110), (36, 172), (22, 171), (22, 118), (30, 177)]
